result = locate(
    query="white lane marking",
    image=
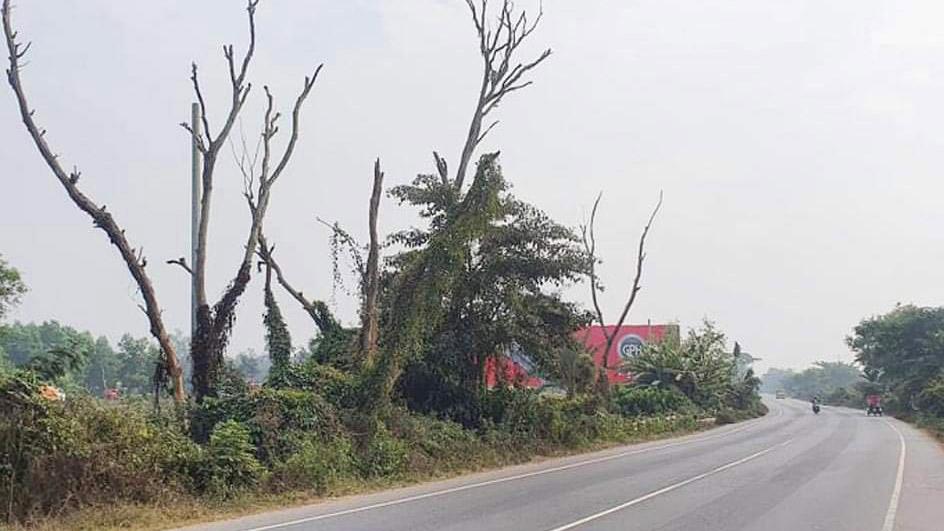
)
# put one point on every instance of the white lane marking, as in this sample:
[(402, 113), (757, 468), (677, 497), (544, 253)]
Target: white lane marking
[(899, 479), (670, 488), (470, 486)]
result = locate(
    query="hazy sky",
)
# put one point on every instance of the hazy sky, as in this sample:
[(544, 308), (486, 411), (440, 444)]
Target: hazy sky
[(799, 145)]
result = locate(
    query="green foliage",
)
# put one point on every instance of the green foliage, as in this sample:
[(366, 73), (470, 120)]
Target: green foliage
[(78, 360), (269, 413), (698, 367), (57, 362), (648, 400), (434, 444), (743, 393), (904, 347), (823, 379), (931, 399), (230, 465), (383, 456), (725, 416), (12, 288), (334, 348), (57, 456), (775, 379), (278, 339), (24, 342), (473, 285), (574, 369), (313, 464), (337, 387)]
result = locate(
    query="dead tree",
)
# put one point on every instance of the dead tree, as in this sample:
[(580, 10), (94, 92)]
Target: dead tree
[(502, 74), (214, 324), (371, 282), (101, 218), (590, 246)]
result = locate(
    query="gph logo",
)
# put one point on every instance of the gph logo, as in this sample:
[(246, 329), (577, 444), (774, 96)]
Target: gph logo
[(630, 346)]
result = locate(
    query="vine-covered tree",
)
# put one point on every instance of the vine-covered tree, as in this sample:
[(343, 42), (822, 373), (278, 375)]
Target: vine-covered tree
[(497, 262), (278, 338)]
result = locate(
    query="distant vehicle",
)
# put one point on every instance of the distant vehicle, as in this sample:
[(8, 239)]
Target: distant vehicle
[(781, 394), (875, 405)]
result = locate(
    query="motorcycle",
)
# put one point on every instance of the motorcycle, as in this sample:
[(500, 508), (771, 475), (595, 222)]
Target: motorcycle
[(816, 408)]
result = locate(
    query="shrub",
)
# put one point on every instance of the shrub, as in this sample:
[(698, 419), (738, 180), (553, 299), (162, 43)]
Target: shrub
[(314, 464), (268, 414), (726, 416), (229, 464), (645, 400), (383, 455), (61, 455), (336, 386)]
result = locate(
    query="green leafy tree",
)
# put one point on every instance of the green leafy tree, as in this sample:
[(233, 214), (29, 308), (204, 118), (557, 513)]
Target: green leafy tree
[(490, 264), (137, 360), (905, 346), (251, 366), (101, 367), (775, 379), (698, 366), (12, 287), (825, 379)]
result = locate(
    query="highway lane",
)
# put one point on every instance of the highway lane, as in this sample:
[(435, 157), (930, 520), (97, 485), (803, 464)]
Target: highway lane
[(790, 470)]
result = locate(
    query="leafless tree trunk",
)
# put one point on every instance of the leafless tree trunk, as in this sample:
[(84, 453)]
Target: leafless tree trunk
[(501, 74), (371, 282), (214, 325), (590, 245), (134, 259)]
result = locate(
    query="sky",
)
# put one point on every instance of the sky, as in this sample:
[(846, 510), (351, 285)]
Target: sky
[(798, 144)]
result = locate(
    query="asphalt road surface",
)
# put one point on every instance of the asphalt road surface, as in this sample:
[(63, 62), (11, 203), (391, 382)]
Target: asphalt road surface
[(791, 470)]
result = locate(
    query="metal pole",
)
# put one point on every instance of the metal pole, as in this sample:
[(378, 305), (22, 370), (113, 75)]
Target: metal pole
[(195, 193)]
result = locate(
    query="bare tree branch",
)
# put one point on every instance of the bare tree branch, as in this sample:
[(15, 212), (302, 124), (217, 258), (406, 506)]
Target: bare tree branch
[(589, 242), (213, 144), (182, 262), (101, 218), (590, 245), (498, 47)]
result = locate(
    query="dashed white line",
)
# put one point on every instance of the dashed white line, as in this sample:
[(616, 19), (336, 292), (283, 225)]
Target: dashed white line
[(470, 486), (669, 488)]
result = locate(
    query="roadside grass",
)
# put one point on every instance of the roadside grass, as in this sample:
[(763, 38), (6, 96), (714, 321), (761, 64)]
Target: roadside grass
[(183, 511)]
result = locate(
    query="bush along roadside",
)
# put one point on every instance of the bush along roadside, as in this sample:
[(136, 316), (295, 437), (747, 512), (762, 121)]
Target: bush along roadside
[(64, 455)]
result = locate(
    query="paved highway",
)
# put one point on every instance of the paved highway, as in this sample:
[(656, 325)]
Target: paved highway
[(790, 470)]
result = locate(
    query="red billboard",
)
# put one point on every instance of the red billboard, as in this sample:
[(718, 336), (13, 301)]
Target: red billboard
[(628, 341), (517, 369)]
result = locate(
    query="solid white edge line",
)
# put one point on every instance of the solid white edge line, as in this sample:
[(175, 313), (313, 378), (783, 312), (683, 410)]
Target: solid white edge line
[(470, 486), (669, 488), (899, 480)]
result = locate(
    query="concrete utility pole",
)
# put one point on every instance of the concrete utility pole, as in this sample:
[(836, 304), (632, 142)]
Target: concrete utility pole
[(195, 193)]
